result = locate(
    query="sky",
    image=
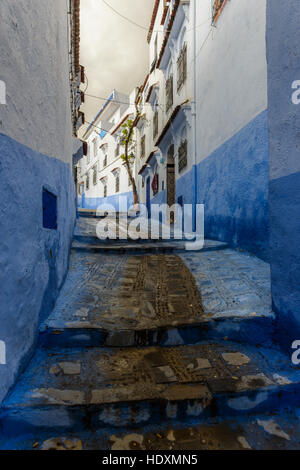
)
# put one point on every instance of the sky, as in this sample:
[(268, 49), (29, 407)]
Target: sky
[(113, 51)]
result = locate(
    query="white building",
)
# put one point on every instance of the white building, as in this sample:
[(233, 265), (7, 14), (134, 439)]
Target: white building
[(166, 133), (102, 176), (204, 135)]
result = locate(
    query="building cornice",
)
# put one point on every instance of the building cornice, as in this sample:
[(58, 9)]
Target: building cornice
[(153, 19), (168, 32)]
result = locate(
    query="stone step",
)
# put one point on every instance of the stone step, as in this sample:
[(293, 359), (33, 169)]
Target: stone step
[(270, 431), (162, 300), (256, 330), (75, 390), (89, 244)]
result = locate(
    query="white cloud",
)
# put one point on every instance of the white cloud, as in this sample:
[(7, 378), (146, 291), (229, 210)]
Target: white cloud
[(113, 51)]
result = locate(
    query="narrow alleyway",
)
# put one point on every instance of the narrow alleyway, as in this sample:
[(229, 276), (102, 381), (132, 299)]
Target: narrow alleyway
[(154, 347)]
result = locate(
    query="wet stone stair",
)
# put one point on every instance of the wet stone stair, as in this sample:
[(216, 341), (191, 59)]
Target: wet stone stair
[(157, 352)]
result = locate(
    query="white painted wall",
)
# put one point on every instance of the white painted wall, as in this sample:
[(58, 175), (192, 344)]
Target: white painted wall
[(181, 32), (231, 71), (34, 66), (106, 146)]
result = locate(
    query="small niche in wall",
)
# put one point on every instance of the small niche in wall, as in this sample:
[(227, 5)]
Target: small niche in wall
[(49, 210)]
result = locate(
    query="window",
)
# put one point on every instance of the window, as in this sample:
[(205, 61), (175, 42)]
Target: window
[(143, 146), (49, 210), (117, 152), (88, 155), (95, 175), (155, 184), (105, 190), (182, 156), (105, 161), (155, 124), (217, 9), (87, 182), (155, 48), (117, 183), (182, 67), (169, 93), (95, 147)]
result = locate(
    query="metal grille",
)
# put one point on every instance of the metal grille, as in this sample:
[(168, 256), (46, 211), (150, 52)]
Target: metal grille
[(155, 124), (182, 156), (94, 175), (182, 67), (117, 183), (155, 184), (117, 152), (169, 93), (143, 146)]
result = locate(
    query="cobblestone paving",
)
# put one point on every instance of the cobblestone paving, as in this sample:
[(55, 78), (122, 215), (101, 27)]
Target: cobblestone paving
[(117, 293), (231, 283), (214, 394), (107, 376), (271, 431)]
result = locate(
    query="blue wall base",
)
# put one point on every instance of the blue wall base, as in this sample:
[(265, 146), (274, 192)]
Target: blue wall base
[(34, 260)]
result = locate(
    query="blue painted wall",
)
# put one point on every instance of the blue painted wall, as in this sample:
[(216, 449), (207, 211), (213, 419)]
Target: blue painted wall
[(283, 57), (232, 183), (33, 260), (93, 203)]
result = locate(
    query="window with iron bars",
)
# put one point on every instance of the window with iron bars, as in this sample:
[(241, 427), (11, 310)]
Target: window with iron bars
[(217, 9), (169, 93), (182, 67), (155, 184), (117, 183), (182, 156), (105, 161), (87, 182), (95, 149), (143, 146), (155, 124), (95, 175), (117, 152)]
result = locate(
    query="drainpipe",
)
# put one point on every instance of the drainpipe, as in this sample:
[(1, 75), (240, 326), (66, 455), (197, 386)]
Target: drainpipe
[(194, 109)]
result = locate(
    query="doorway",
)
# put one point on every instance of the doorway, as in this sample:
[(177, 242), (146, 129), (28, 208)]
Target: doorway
[(148, 197), (171, 182)]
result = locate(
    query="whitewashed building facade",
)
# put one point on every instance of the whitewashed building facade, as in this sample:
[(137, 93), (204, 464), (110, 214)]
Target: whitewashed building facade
[(204, 133), (102, 175)]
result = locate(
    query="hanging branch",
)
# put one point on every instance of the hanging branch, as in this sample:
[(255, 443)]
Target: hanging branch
[(126, 140)]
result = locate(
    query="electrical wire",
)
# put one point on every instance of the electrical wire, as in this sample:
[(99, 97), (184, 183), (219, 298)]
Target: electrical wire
[(145, 27), (117, 101)]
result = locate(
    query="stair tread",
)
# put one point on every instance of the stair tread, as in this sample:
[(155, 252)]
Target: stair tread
[(119, 294), (269, 431), (103, 376)]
